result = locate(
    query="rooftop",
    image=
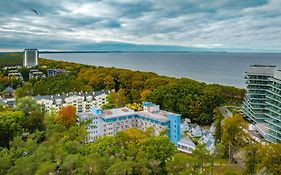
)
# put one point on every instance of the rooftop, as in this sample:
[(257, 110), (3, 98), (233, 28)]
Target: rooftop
[(263, 70), (71, 94), (187, 141), (146, 103), (85, 116), (117, 112), (30, 49), (159, 116), (37, 73), (9, 89)]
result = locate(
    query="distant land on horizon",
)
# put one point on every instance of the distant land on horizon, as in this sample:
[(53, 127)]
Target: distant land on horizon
[(131, 47)]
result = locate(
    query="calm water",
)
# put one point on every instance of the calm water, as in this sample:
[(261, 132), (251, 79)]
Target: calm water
[(221, 68)]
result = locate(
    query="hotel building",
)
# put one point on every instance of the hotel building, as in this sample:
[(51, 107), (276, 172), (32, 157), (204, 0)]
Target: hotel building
[(30, 57), (109, 122), (262, 103)]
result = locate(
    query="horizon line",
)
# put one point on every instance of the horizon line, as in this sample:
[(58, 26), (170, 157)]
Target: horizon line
[(143, 51)]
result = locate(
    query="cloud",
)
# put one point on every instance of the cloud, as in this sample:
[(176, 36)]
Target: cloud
[(70, 24)]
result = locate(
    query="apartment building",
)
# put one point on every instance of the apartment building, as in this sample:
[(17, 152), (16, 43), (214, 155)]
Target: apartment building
[(82, 101), (15, 74)]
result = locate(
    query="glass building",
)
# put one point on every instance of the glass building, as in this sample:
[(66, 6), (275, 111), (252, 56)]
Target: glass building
[(262, 102)]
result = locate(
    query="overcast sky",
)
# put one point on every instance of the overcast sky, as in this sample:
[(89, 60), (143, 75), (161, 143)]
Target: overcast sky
[(73, 24)]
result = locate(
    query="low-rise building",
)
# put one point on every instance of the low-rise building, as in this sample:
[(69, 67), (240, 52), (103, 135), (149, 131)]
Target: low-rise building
[(8, 92), (15, 74), (12, 67), (196, 130), (10, 102), (210, 145), (83, 101), (206, 136), (54, 72), (35, 73), (184, 126), (186, 145), (209, 140), (109, 122)]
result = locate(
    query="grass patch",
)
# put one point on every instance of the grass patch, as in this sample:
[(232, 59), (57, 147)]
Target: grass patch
[(228, 169)]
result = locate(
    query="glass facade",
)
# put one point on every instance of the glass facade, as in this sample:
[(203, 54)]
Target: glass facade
[(274, 111), (255, 98), (262, 102)]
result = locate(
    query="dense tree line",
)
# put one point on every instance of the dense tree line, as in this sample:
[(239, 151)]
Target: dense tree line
[(11, 59)]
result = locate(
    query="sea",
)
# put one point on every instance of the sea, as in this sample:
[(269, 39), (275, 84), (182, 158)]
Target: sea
[(209, 67)]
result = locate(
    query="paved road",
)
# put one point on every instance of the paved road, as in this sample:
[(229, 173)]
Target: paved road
[(225, 112)]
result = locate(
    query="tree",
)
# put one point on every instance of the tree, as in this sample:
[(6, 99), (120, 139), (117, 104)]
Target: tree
[(2, 108), (47, 167), (118, 99), (180, 163), (144, 94), (159, 149), (10, 126), (219, 152), (121, 167), (201, 156), (34, 114), (23, 91), (26, 105), (6, 159), (218, 117), (155, 165), (270, 159), (233, 134), (67, 116), (35, 121), (251, 153)]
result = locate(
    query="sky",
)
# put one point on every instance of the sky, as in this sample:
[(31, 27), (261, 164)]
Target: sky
[(191, 25)]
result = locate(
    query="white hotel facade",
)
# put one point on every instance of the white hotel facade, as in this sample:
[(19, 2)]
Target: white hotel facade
[(82, 101)]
